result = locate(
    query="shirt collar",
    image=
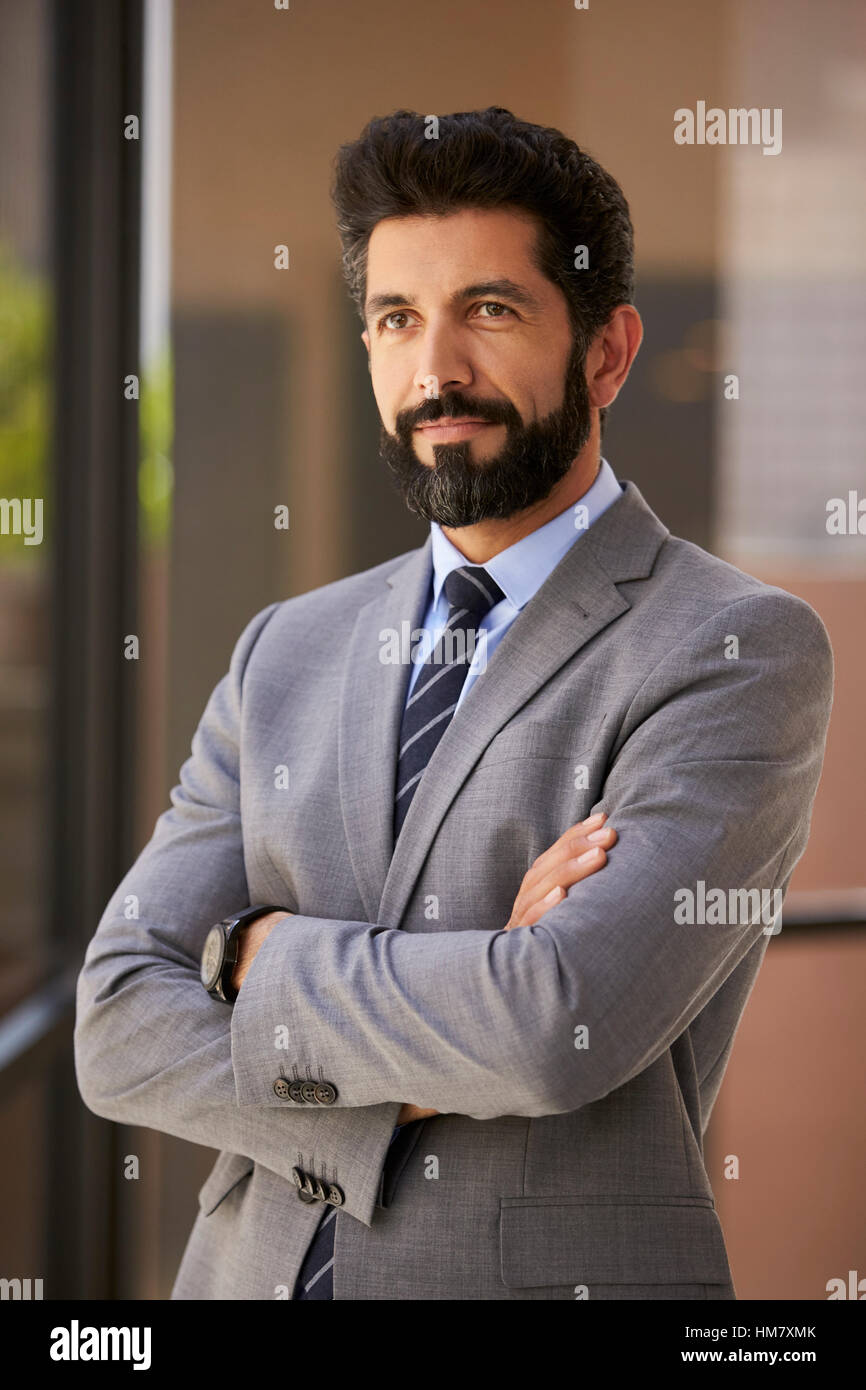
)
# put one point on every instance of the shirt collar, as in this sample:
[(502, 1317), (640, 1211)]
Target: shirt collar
[(521, 569)]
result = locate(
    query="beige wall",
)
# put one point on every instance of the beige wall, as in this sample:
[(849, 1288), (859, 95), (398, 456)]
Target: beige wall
[(791, 1111)]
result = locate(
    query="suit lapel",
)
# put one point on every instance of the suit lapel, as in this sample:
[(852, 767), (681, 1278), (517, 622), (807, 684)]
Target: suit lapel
[(371, 710), (577, 601)]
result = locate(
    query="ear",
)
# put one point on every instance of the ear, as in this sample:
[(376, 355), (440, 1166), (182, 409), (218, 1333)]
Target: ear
[(611, 353), (365, 339)]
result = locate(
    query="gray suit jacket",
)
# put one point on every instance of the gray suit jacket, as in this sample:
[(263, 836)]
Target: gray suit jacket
[(575, 1063)]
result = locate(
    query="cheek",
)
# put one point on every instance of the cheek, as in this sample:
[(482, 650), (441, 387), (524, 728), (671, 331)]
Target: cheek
[(533, 393), (546, 397), (388, 392), (538, 386)]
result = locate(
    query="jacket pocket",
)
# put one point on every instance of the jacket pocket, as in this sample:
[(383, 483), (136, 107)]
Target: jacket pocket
[(610, 1240), (546, 739), (227, 1172)]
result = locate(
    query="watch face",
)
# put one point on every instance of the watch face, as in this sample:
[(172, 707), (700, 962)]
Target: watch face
[(212, 956)]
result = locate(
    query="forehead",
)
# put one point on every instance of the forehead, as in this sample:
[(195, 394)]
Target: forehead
[(409, 252)]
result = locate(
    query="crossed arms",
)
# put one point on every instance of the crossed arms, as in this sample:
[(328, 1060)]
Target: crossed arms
[(713, 778), (581, 851)]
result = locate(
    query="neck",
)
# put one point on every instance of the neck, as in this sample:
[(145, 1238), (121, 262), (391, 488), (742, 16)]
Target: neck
[(479, 543)]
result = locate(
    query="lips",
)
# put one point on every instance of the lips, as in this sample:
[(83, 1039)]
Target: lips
[(448, 420), (451, 430)]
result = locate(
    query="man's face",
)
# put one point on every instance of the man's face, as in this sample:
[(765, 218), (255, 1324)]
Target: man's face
[(479, 383)]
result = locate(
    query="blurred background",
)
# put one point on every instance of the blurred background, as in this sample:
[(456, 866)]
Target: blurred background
[(163, 387)]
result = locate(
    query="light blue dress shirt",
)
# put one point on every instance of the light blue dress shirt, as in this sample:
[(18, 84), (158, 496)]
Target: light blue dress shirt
[(519, 571)]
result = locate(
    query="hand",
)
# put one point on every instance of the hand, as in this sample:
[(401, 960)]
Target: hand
[(251, 939), (546, 882), (413, 1112)]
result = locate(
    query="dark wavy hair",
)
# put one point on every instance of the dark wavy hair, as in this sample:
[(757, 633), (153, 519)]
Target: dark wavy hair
[(487, 159)]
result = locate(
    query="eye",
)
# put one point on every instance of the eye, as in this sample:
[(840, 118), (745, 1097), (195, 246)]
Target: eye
[(394, 314), (387, 321), (493, 304)]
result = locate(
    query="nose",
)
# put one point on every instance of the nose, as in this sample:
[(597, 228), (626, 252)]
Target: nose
[(442, 363)]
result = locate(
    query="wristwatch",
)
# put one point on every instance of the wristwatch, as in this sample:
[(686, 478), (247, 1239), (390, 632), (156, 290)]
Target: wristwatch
[(220, 954)]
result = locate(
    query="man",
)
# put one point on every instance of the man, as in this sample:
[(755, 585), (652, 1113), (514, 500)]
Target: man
[(447, 1055)]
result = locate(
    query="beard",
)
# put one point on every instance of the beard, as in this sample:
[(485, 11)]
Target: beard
[(455, 491)]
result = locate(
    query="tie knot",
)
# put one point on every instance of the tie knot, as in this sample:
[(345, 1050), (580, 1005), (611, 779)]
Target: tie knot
[(472, 588)]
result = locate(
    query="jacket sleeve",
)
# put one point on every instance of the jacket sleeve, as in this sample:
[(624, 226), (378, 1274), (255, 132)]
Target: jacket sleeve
[(151, 1047), (710, 787)]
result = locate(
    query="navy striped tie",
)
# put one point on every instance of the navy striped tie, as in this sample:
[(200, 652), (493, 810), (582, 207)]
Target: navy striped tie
[(471, 593)]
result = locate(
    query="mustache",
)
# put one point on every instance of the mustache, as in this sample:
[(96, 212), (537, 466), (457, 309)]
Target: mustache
[(454, 405)]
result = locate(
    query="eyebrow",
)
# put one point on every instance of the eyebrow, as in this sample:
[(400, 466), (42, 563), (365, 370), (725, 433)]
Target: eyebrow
[(489, 289)]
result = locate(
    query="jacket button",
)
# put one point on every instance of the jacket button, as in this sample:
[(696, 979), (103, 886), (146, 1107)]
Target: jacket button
[(295, 1092), (321, 1189), (281, 1088), (335, 1195), (325, 1093), (304, 1183), (308, 1091)]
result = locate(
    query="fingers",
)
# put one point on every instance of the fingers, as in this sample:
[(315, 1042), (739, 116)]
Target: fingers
[(569, 872), (558, 865), (571, 843), (553, 888)]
